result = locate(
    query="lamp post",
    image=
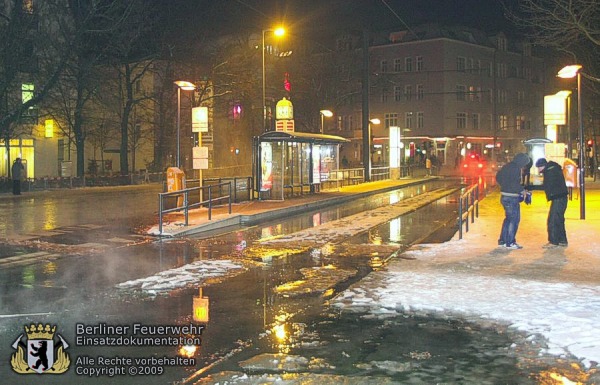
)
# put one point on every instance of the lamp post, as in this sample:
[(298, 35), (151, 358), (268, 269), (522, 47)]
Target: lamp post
[(572, 71), (325, 114), (277, 32), (186, 86)]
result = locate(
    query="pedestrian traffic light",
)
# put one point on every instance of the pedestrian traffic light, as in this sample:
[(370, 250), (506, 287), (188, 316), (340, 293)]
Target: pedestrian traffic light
[(287, 85)]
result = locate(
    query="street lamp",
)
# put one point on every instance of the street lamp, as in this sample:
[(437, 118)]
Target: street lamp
[(186, 86), (325, 114), (568, 72), (277, 32)]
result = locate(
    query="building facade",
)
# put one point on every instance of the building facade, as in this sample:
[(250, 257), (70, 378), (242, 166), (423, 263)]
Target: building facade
[(451, 91)]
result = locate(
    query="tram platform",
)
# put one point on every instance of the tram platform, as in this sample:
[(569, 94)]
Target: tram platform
[(257, 211)]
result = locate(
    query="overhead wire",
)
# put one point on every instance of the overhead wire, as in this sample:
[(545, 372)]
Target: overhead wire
[(398, 17)]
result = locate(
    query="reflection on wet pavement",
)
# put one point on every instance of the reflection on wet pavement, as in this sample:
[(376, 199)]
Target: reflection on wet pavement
[(261, 307)]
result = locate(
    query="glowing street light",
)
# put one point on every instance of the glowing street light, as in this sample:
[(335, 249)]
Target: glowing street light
[(186, 86), (568, 72), (277, 32), (325, 114)]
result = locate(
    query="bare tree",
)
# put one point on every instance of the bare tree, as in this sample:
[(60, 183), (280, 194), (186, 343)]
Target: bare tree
[(571, 27), (568, 26), (32, 58)]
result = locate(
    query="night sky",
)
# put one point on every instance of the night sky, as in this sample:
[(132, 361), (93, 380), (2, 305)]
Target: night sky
[(317, 17)]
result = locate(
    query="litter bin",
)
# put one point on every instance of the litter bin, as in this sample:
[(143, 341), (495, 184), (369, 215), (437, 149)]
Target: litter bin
[(571, 174), (176, 182)]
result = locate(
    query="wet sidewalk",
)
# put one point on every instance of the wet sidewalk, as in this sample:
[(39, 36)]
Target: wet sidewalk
[(550, 296), (579, 262)]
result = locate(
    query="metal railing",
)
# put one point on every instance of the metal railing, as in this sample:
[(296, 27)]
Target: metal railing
[(468, 205), (342, 177), (207, 192), (241, 186), (380, 173)]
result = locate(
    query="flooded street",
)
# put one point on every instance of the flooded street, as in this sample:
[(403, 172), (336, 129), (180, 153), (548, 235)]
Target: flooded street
[(266, 298)]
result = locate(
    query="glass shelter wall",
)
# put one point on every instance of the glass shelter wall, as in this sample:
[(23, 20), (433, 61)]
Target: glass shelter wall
[(293, 163)]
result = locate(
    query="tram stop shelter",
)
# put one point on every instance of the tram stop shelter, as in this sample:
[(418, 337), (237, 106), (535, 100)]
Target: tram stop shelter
[(289, 163)]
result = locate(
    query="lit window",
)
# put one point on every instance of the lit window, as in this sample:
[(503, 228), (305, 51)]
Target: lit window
[(49, 128), (503, 122), (520, 122), (27, 92)]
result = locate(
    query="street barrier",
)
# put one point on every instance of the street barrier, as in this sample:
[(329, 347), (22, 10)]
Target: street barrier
[(207, 191), (242, 187), (468, 204), (56, 183), (380, 173), (342, 177)]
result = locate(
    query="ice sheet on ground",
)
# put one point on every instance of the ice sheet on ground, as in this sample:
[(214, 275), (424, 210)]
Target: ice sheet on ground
[(338, 230), (315, 280), (275, 363), (566, 314), (192, 273), (235, 378)]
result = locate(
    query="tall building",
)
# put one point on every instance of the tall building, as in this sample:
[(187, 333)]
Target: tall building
[(451, 91)]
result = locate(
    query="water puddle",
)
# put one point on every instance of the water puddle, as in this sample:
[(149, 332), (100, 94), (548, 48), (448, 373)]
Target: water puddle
[(352, 348)]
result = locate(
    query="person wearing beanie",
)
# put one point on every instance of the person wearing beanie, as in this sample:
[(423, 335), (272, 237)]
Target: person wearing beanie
[(511, 190), (556, 190)]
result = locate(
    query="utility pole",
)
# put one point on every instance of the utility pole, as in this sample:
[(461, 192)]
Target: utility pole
[(366, 126)]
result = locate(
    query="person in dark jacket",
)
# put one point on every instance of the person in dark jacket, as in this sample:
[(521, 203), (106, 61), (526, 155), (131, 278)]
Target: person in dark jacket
[(511, 191), (556, 191), (17, 172)]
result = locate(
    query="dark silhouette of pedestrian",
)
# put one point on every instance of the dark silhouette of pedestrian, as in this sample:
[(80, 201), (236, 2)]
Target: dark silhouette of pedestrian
[(17, 173), (42, 353), (557, 192), (526, 175)]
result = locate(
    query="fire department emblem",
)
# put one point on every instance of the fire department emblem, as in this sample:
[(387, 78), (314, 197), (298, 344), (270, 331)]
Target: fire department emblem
[(40, 353)]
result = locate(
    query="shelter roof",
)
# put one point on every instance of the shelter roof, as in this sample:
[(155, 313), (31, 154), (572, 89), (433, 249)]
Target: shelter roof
[(304, 137)]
